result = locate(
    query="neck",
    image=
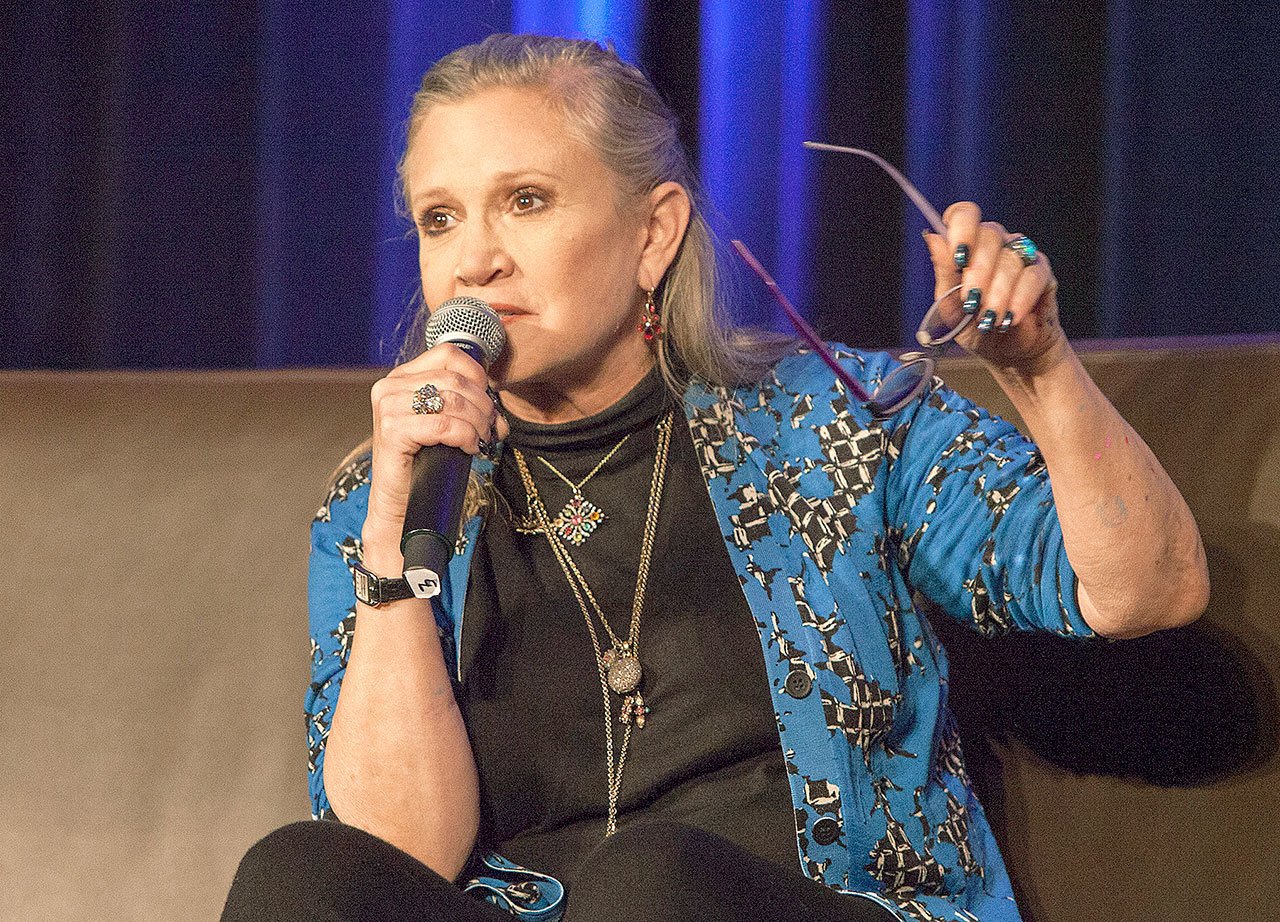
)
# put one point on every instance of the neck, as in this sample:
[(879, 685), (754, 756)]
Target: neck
[(553, 402)]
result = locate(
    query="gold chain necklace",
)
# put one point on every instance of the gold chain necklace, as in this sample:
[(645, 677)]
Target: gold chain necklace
[(579, 517), (619, 667)]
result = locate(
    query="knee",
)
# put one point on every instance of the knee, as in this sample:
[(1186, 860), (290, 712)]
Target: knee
[(280, 858), (286, 866), (289, 848)]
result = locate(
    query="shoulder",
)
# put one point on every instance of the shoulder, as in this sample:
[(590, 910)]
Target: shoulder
[(806, 371), (804, 385), (805, 368)]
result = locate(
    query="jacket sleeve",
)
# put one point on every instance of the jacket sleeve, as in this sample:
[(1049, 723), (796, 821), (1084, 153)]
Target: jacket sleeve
[(335, 543), (969, 502)]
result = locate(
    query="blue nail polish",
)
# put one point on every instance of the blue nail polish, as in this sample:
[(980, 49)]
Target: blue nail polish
[(1005, 324), (987, 322), (972, 301), (962, 256)]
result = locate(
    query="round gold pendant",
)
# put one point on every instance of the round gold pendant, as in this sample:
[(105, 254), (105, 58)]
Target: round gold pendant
[(624, 674)]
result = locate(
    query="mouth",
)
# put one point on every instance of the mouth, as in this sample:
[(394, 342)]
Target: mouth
[(508, 312)]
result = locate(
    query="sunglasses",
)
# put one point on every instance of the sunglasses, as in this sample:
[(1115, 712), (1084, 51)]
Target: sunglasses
[(915, 373)]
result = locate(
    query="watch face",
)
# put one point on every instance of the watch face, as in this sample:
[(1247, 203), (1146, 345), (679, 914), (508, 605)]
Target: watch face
[(374, 590), (362, 585)]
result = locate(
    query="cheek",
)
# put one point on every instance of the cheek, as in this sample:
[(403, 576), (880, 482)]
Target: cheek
[(596, 276), (435, 277)]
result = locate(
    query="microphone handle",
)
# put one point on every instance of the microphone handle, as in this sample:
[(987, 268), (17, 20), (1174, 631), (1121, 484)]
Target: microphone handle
[(437, 489)]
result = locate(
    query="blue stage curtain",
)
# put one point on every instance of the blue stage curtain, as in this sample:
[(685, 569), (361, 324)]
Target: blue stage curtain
[(1192, 216), (757, 105), (194, 186)]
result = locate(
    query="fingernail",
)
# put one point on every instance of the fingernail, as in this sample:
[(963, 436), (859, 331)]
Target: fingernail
[(962, 256), (925, 233), (972, 301), (1005, 324), (987, 322)]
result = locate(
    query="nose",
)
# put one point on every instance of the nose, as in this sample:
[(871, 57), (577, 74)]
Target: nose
[(482, 258)]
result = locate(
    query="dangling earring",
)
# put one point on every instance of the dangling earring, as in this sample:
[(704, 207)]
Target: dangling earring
[(651, 322)]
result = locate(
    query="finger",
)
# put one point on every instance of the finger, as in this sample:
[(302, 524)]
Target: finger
[(982, 268), (445, 429), (396, 420), (1032, 285), (946, 279), (962, 220), (1009, 272), (477, 410), (443, 356), (449, 383), (402, 435), (941, 255), (477, 397), (393, 395)]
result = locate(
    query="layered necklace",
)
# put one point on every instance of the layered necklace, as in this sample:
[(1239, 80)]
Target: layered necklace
[(619, 665)]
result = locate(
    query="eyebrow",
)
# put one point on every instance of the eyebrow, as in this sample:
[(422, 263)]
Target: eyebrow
[(505, 178)]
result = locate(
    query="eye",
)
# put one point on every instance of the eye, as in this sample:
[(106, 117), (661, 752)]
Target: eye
[(526, 200), (436, 221)]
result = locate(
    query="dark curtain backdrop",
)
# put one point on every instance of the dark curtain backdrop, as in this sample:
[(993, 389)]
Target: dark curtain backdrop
[(210, 185)]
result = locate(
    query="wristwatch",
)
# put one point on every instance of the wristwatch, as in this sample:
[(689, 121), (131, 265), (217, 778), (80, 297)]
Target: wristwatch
[(376, 590)]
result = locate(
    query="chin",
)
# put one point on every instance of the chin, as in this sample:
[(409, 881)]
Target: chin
[(512, 374)]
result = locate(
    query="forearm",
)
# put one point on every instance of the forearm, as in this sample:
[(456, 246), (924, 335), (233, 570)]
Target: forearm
[(1127, 530), (398, 761)]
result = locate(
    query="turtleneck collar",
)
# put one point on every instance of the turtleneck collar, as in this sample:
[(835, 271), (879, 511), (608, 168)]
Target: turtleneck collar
[(641, 407)]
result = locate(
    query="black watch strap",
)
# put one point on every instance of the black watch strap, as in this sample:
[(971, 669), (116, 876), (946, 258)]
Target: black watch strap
[(376, 590)]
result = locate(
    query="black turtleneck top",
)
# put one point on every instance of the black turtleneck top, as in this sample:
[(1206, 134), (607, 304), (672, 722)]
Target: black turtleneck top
[(709, 754)]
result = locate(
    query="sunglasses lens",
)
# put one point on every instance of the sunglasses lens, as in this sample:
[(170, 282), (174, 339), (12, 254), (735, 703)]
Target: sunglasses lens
[(934, 330), (900, 387)]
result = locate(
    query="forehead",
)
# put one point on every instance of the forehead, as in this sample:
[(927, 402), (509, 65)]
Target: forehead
[(491, 136)]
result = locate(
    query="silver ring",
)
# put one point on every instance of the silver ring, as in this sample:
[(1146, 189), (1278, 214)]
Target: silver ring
[(1025, 247), (427, 399)]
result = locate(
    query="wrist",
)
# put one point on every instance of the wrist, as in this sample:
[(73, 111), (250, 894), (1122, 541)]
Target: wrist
[(1023, 374), (380, 545)]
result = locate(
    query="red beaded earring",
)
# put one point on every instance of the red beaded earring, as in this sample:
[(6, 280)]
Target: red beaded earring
[(651, 322)]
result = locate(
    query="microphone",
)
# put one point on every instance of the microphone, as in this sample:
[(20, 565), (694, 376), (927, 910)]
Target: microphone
[(439, 481)]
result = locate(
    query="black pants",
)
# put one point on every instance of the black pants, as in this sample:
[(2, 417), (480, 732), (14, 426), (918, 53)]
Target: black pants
[(337, 873)]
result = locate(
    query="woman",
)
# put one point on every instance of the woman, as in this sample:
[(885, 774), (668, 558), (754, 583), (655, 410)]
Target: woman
[(691, 653)]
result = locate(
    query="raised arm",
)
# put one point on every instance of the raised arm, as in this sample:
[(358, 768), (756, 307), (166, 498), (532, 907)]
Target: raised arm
[(1128, 533)]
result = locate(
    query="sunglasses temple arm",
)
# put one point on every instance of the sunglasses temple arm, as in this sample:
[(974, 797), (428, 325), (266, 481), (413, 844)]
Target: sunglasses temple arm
[(799, 323), (930, 213)]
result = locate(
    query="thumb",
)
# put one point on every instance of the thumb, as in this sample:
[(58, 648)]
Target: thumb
[(946, 275)]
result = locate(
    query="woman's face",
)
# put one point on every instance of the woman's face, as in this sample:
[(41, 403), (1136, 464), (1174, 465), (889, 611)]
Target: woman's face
[(511, 209)]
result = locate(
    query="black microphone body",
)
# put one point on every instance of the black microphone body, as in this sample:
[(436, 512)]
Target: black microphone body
[(438, 483)]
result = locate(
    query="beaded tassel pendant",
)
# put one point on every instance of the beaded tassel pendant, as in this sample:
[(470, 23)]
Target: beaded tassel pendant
[(634, 709), (624, 677)]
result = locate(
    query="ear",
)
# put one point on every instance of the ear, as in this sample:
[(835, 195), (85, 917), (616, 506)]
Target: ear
[(668, 210)]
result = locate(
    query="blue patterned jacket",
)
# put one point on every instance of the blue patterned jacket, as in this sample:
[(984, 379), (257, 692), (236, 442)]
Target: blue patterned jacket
[(833, 522)]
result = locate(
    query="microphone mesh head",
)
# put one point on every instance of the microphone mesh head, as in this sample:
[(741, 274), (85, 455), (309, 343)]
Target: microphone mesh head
[(469, 319)]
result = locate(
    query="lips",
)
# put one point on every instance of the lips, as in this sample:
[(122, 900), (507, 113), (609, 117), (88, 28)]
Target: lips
[(507, 312)]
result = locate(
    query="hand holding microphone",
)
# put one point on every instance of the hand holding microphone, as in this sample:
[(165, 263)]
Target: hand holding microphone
[(423, 439)]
